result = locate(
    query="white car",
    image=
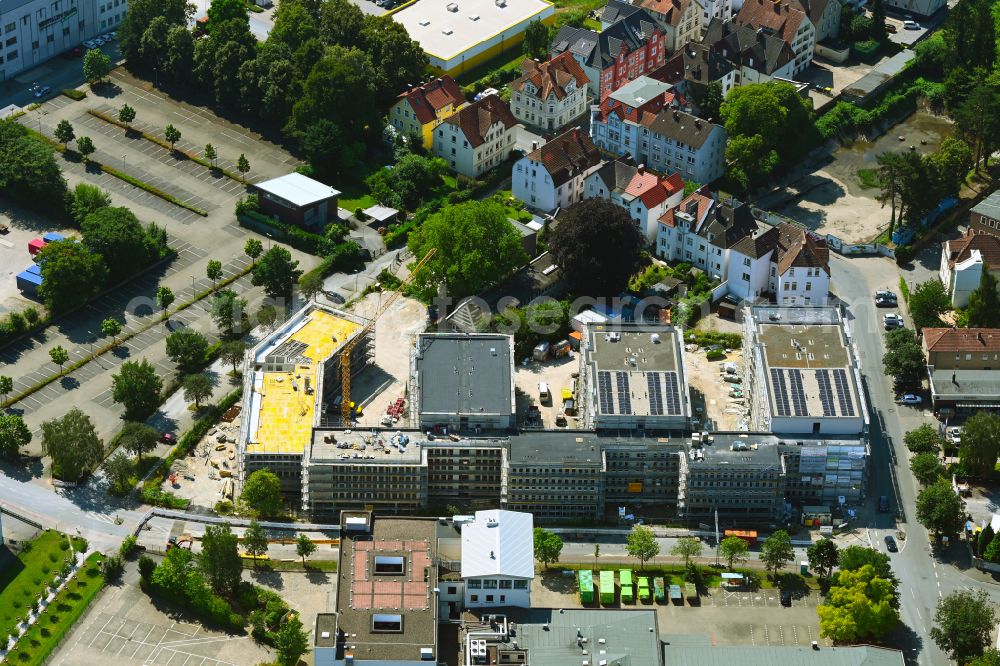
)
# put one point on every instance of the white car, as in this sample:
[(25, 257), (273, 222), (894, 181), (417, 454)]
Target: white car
[(911, 25), (954, 434), (91, 44), (891, 321), (911, 399)]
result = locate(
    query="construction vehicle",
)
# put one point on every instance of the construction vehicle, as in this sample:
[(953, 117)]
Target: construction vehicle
[(182, 541), (348, 348)]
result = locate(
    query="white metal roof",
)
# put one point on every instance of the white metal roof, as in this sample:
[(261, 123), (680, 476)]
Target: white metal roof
[(298, 189), (380, 213), (499, 543)]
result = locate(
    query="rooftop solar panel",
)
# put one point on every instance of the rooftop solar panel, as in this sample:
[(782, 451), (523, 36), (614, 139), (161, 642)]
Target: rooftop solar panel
[(780, 393), (798, 393), (825, 392), (655, 393), (605, 400), (843, 393), (673, 394), (624, 397)]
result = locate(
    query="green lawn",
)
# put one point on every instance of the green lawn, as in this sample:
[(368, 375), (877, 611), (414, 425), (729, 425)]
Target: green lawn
[(61, 614), (509, 60), (296, 565), (868, 178), (23, 578)]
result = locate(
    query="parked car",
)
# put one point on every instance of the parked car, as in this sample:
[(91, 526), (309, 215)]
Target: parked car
[(910, 399), (883, 504), (954, 434), (91, 44), (911, 25), (885, 299), (890, 544), (786, 598), (891, 321)]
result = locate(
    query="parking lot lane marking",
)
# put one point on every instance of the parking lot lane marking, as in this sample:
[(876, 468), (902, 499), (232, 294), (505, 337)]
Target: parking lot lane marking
[(100, 631), (752, 640), (127, 640)]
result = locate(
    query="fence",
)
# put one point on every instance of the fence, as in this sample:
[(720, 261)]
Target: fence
[(907, 234), (835, 243)]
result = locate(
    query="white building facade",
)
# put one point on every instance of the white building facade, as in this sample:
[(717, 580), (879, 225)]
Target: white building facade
[(34, 31), (477, 138), (498, 559), (553, 176)]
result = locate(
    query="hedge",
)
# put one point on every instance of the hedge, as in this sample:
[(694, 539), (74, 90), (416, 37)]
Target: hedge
[(344, 258), (709, 338), (74, 94), (155, 191), (287, 233), (845, 117)]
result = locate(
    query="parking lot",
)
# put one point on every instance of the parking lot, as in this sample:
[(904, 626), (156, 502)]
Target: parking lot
[(23, 226)]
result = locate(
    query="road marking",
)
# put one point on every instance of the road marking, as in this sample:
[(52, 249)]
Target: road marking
[(101, 631)]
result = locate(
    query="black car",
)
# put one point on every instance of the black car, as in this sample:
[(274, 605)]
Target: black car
[(883, 504), (786, 598), (890, 544)]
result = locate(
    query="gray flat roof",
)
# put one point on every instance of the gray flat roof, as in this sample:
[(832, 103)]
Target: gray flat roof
[(972, 386), (380, 447), (639, 91), (581, 449), (990, 206), (465, 374), (326, 630), (689, 651)]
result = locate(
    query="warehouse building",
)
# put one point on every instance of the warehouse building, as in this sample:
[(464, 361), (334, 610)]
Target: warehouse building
[(463, 383), (802, 372), (457, 35), (33, 31), (289, 379), (634, 375)]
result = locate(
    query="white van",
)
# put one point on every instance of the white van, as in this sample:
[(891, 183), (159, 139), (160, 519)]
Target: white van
[(543, 393)]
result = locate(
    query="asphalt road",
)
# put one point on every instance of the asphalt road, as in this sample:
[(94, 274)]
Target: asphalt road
[(58, 73)]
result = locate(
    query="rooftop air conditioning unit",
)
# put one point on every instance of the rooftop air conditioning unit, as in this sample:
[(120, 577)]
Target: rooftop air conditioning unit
[(474, 17), (447, 31), (425, 23)]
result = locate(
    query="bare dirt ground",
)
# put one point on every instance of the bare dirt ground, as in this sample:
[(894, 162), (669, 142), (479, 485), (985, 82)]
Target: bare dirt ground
[(711, 394), (558, 374), (199, 478), (395, 333)]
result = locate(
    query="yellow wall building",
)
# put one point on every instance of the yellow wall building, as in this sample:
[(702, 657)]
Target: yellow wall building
[(419, 110)]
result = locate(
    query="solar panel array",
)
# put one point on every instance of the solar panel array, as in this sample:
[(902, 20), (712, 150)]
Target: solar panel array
[(843, 393), (655, 393), (673, 394), (798, 393), (825, 392), (624, 397), (604, 398), (780, 392)]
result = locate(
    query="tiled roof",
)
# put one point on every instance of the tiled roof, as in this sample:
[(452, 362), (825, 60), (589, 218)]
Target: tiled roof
[(618, 173), (651, 189), (813, 8), (758, 244), (728, 224), (960, 249), (476, 119), (702, 64), (742, 45), (616, 10), (672, 71), (703, 202), (567, 155), (800, 248), (428, 99), (961, 339), (628, 108), (550, 77), (680, 126), (780, 17), (601, 50), (671, 10), (578, 41)]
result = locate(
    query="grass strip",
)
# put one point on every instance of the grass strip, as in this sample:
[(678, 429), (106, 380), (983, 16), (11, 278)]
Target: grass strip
[(166, 145), (155, 191), (121, 339), (289, 565), (74, 94), (44, 636)]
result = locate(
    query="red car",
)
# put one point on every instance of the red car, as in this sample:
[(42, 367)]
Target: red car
[(167, 438)]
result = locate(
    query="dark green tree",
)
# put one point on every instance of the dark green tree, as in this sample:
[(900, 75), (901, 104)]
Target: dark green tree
[(304, 547), (341, 74), (213, 270), (153, 44), (119, 469), (14, 435), (59, 356), (980, 444), (395, 58), (536, 40), (178, 62), (120, 239), (253, 248), (984, 303), (164, 298), (187, 348), (341, 22), (255, 541), (262, 494), (984, 539), (137, 387), (963, 624), (85, 146), (927, 469), (823, 557), (233, 351), (877, 30), (548, 546), (291, 641), (223, 11), (88, 199), (903, 358), (71, 274), (776, 551), (267, 315), (924, 439), (243, 166), (277, 272), (210, 153), (172, 135), (138, 17), (6, 386), (940, 509), (73, 445), (890, 172), (96, 65), (711, 101), (219, 559), (64, 133), (197, 387), (598, 248), (137, 438), (29, 174)]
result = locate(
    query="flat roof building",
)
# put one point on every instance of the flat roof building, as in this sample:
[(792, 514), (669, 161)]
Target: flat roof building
[(297, 199), (463, 382), (457, 35), (386, 609), (288, 379), (498, 559), (802, 375), (634, 378), (699, 650)]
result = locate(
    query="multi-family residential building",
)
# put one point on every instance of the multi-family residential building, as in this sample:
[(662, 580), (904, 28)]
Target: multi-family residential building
[(682, 20), (917, 7), (633, 46), (784, 20), (645, 195), (736, 55), (498, 559), (963, 365), (553, 175), (477, 137), (963, 261), (801, 374), (549, 95), (663, 138), (784, 261), (824, 15), (419, 110), (33, 31), (741, 479), (985, 215), (701, 231)]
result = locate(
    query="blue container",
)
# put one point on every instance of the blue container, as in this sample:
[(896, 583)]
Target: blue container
[(52, 236), (29, 282)]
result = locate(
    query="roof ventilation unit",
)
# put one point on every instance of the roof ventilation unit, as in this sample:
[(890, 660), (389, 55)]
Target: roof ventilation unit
[(425, 23), (500, 3), (453, 7), (474, 17), (447, 31)]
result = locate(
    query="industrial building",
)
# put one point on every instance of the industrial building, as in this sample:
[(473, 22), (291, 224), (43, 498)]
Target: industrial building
[(498, 559), (386, 609), (457, 35), (462, 382), (802, 373), (634, 375), (34, 31), (290, 378), (702, 650)]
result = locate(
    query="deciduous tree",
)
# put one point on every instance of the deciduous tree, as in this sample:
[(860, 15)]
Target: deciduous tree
[(14, 435), (859, 605), (243, 166), (165, 298), (111, 328), (277, 272), (980, 444), (598, 248), (903, 357), (304, 547), (924, 439), (6, 386), (73, 445), (126, 115), (96, 65), (548, 546), (197, 387), (536, 40), (64, 132), (88, 199), (984, 303), (172, 135), (734, 550), (926, 468), (119, 469), (823, 556), (137, 387), (187, 348), (233, 351), (687, 547), (71, 274), (964, 623), (928, 302), (59, 356), (255, 541), (85, 146), (777, 551), (219, 559), (641, 544), (291, 641), (253, 248), (262, 494), (137, 438), (120, 239), (210, 153), (940, 509)]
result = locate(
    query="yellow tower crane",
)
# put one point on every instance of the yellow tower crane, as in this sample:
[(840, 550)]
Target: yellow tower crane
[(348, 348)]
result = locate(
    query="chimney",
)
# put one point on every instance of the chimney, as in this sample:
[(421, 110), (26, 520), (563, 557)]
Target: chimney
[(677, 116), (534, 146), (979, 336), (697, 123), (641, 169)]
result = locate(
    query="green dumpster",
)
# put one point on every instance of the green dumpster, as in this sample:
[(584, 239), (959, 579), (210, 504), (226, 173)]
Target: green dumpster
[(607, 587), (643, 588), (625, 579), (658, 589), (585, 579)]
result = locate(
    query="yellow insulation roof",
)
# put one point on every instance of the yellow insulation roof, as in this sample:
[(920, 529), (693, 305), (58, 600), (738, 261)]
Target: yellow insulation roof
[(286, 411)]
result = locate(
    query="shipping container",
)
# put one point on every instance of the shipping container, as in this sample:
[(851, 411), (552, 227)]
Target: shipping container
[(28, 283), (625, 578), (585, 580)]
